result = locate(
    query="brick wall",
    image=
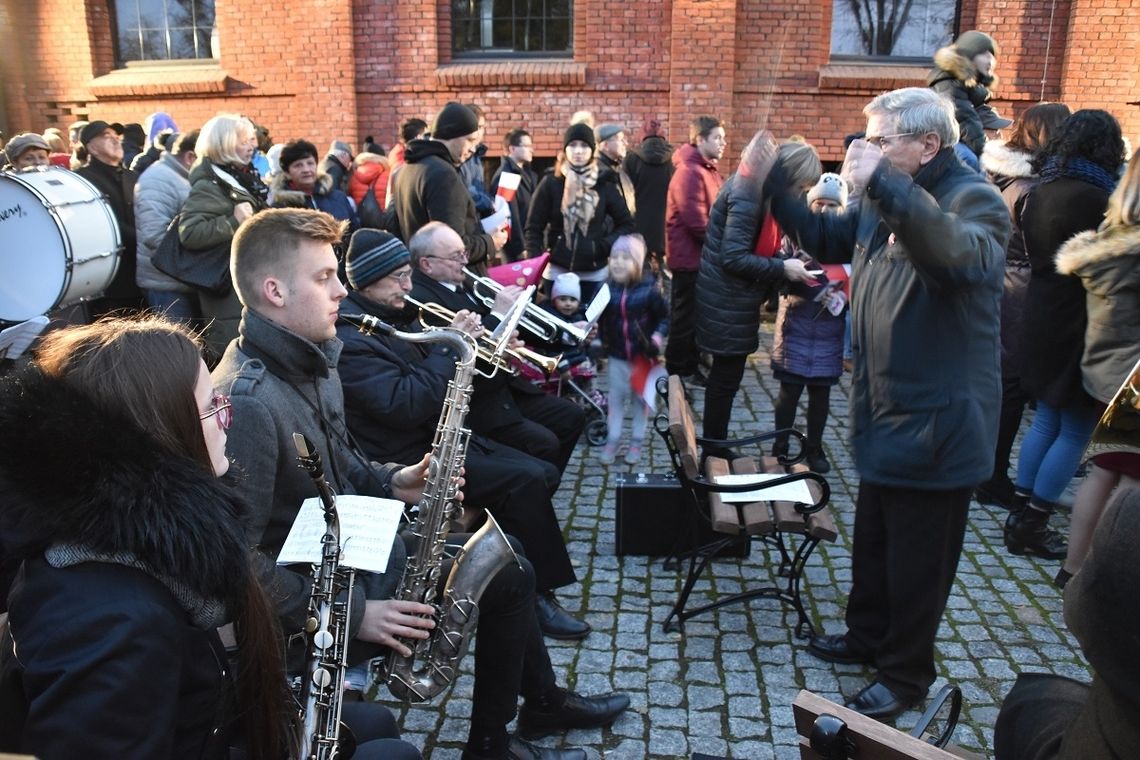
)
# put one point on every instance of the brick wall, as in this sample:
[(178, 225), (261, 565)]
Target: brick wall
[(362, 65)]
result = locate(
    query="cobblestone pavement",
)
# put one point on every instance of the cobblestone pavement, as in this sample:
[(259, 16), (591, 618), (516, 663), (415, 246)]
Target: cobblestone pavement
[(726, 687)]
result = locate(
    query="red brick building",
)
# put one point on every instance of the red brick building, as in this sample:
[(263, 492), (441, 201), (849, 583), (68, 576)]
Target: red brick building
[(343, 69)]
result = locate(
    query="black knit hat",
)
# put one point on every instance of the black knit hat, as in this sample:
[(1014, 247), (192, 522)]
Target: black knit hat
[(373, 254), (581, 132), (454, 120)]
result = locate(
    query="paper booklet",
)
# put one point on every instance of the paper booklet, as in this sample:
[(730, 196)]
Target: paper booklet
[(15, 340), (368, 526), (597, 306), (797, 490)]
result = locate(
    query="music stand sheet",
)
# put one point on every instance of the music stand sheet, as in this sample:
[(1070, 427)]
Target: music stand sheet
[(368, 526)]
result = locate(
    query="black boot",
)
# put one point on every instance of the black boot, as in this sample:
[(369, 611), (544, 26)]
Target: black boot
[(1017, 505), (817, 460), (1062, 579), (780, 447), (1028, 533)]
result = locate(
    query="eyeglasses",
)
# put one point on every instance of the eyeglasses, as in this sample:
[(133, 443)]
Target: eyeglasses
[(882, 141), (405, 276), (460, 256), (220, 406)]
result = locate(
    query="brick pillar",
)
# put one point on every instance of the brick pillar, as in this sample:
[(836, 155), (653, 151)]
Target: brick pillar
[(701, 66)]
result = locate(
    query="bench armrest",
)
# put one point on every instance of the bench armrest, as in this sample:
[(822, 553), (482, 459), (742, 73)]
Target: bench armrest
[(705, 486)]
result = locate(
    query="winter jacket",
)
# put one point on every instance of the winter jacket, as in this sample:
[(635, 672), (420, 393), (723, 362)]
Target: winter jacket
[(118, 186), (808, 342), (1012, 172), (650, 168), (927, 257), (475, 180), (1053, 330), (159, 196), (1108, 263), (130, 563), (733, 282), (429, 189), (955, 76), (324, 197), (280, 384), (515, 246), (580, 253), (624, 183), (370, 172), (691, 193), (634, 314)]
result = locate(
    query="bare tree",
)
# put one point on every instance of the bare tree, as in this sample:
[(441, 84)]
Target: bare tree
[(880, 22)]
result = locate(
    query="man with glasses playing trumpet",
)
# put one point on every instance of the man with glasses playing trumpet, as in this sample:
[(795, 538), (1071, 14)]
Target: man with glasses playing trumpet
[(394, 391)]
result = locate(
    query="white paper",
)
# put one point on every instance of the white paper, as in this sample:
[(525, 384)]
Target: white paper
[(796, 491), (498, 219), (368, 526), (597, 306), (15, 340)]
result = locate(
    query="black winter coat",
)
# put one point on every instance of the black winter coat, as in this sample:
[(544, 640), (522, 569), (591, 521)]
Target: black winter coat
[(112, 664), (1053, 331), (650, 167), (429, 189), (118, 185), (579, 253), (954, 76), (515, 246), (733, 281)]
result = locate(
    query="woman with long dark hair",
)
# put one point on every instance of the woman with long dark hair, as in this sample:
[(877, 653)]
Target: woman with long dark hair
[(1009, 163), (1078, 170)]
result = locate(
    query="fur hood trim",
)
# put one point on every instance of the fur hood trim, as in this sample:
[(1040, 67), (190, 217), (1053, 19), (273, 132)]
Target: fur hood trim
[(370, 158), (284, 196), (962, 68), (72, 473), (1087, 248), (1000, 160)]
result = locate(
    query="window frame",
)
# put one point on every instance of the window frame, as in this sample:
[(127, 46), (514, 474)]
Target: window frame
[(887, 60), (121, 62), (503, 54)]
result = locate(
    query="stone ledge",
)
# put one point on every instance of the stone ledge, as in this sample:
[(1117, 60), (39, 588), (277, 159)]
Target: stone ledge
[(161, 79), (512, 73), (871, 76)]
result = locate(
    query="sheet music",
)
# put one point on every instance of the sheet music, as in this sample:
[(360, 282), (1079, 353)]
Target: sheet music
[(15, 340), (597, 306), (368, 526), (796, 491)]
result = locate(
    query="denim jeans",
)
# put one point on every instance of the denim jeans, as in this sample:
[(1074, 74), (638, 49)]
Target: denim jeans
[(1052, 449), (177, 307)]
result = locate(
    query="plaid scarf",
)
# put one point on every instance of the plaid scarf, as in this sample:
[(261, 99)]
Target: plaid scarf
[(579, 198)]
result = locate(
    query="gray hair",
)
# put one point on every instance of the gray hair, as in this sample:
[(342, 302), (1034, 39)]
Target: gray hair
[(917, 110), (422, 245)]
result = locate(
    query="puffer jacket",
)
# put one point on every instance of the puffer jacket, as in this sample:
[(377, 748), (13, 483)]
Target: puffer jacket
[(159, 195), (370, 171), (808, 341), (691, 193), (733, 282), (579, 253), (927, 258), (1108, 263), (324, 197), (634, 314), (955, 76)]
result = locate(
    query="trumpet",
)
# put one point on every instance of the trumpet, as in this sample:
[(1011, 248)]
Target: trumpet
[(535, 320), (487, 345)]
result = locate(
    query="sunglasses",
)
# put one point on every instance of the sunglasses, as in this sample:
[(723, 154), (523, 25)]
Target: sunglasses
[(224, 410)]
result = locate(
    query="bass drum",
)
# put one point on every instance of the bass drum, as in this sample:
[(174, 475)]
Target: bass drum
[(59, 242)]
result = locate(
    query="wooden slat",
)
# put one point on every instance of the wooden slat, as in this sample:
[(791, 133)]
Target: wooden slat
[(681, 428), (725, 517), (872, 738), (757, 515), (820, 524)]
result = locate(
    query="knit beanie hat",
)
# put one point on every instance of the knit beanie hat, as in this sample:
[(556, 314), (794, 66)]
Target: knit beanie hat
[(373, 254), (23, 142), (830, 187), (567, 284), (973, 43), (606, 131), (454, 120), (579, 132), (633, 244)]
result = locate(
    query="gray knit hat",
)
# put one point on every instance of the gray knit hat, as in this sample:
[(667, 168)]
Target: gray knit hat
[(830, 187), (373, 254)]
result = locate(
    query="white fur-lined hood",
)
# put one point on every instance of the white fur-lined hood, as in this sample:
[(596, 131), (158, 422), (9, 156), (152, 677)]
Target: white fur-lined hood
[(1089, 248), (1001, 160)]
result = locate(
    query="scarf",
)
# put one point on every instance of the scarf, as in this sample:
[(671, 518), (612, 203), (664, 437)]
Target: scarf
[(579, 198), (250, 181), (1078, 168)]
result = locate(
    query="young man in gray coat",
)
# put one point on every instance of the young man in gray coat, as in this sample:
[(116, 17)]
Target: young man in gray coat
[(927, 246)]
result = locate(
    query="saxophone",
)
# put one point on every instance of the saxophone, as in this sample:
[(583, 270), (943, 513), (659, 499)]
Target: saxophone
[(326, 628), (433, 664)]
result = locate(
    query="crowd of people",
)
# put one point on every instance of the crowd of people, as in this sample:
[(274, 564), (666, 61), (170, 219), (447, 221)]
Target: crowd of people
[(938, 247)]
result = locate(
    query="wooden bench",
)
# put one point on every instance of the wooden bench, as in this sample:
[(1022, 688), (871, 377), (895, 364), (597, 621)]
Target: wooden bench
[(828, 731), (792, 529)]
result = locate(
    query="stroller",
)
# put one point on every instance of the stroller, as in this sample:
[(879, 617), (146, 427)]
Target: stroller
[(575, 381)]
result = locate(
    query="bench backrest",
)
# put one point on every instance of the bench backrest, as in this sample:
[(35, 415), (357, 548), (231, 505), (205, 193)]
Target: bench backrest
[(868, 737), (681, 428)]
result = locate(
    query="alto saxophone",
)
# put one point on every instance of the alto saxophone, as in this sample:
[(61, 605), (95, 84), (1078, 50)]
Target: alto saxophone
[(433, 663), (326, 628)]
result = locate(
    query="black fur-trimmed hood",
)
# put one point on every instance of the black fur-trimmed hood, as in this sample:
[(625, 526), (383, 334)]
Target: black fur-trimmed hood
[(72, 473), (949, 60)]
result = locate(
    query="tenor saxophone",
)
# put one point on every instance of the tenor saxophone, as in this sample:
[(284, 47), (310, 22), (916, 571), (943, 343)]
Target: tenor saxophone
[(433, 663), (326, 629)]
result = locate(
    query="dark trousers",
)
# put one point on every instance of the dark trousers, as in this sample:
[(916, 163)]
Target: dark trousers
[(681, 354), (375, 730), (516, 488), (550, 430), (905, 555), (720, 392), (819, 401), (1013, 401)]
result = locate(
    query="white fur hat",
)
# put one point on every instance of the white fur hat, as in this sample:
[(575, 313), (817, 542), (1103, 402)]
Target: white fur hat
[(830, 187), (567, 284)]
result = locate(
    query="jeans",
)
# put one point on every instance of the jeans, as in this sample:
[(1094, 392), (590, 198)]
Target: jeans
[(622, 394), (178, 307), (1052, 449)]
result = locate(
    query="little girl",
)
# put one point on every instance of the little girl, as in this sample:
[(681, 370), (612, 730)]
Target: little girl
[(633, 329)]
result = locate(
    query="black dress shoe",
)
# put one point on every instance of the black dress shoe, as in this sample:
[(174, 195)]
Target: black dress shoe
[(879, 702), (834, 648), (520, 750), (576, 712), (556, 622)]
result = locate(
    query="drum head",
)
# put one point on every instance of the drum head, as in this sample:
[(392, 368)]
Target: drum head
[(33, 263)]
